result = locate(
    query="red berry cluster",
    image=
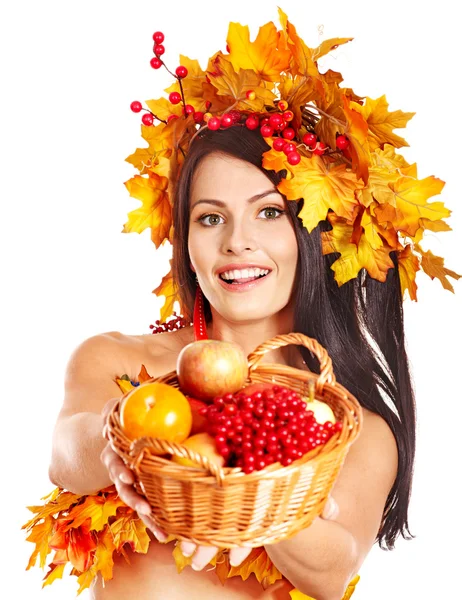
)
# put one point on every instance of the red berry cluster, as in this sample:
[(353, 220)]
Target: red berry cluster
[(175, 98), (257, 430), (177, 322)]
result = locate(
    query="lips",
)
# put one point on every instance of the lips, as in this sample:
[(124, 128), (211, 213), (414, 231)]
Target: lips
[(243, 287)]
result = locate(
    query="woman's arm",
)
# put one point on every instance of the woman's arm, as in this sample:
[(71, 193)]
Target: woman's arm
[(321, 560), (77, 438)]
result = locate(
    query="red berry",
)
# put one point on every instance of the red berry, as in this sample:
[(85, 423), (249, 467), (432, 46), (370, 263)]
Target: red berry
[(172, 118), (181, 71), (236, 115), (174, 97), (198, 116), (260, 464), (250, 95), (266, 131), (136, 106), (275, 120), (293, 158), (159, 50), (342, 142), (288, 115), (251, 122), (147, 119), (320, 148), (227, 120), (158, 37), (264, 121), (208, 104), (214, 123), (278, 144), (309, 139), (156, 63), (288, 148), (288, 133), (189, 109)]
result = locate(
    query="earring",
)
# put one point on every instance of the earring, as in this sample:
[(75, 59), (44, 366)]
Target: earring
[(200, 329)]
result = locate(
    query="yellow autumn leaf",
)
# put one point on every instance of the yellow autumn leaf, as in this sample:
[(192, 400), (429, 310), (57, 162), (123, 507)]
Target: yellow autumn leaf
[(434, 268), (61, 501), (98, 509), (131, 531), (124, 385), (328, 45), (431, 226), (104, 561), (40, 535), (144, 159), (85, 580), (408, 265), (354, 257), (322, 189), (191, 84), (156, 210), (264, 55), (167, 288), (357, 132), (55, 572), (276, 161), (235, 85), (181, 561), (410, 204), (381, 122), (163, 108)]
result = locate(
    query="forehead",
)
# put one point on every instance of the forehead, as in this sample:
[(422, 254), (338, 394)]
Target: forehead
[(221, 176)]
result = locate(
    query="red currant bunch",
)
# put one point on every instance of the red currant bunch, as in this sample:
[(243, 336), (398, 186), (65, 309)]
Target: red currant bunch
[(265, 427)]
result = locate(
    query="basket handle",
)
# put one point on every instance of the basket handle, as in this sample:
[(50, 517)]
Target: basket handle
[(143, 445), (326, 375)]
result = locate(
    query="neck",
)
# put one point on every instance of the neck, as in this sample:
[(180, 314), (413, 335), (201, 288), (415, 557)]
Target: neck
[(250, 334)]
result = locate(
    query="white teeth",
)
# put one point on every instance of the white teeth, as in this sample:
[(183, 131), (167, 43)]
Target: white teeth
[(244, 273)]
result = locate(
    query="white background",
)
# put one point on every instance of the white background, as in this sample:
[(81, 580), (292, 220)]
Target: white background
[(69, 73)]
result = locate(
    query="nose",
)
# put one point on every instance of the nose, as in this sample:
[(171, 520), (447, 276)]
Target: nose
[(238, 238)]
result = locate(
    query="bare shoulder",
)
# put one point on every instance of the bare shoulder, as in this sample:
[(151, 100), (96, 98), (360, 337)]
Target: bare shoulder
[(158, 353)]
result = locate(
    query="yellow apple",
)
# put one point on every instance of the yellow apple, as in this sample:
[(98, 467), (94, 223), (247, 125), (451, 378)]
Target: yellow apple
[(322, 411), (204, 444)]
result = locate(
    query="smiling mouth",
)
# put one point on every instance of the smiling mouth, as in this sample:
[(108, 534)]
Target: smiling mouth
[(244, 279)]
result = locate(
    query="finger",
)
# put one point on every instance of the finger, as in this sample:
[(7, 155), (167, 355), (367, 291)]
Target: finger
[(331, 509), (131, 498), (187, 548), (108, 407), (152, 525), (116, 466), (203, 556), (238, 555)]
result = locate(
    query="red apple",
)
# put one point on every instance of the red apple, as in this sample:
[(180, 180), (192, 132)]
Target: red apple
[(199, 422), (210, 368), (256, 387)]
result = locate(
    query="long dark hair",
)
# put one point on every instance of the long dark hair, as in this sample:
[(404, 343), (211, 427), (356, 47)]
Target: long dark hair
[(359, 323)]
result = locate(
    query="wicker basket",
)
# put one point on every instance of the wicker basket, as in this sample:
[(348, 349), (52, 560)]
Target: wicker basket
[(225, 507)]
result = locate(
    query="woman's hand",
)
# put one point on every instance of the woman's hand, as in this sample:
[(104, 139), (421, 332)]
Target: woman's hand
[(204, 554), (123, 480)]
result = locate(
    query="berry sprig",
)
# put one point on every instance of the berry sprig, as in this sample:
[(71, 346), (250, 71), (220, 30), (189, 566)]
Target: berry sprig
[(176, 322), (257, 430)]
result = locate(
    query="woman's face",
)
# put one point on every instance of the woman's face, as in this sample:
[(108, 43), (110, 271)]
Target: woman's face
[(238, 222)]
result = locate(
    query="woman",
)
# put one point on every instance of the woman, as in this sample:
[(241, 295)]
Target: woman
[(295, 214), (229, 213)]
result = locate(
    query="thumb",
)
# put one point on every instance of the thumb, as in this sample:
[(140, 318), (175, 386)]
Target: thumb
[(108, 407), (331, 509)]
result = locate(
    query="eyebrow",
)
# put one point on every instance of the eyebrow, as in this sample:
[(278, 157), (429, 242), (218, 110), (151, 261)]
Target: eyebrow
[(223, 204)]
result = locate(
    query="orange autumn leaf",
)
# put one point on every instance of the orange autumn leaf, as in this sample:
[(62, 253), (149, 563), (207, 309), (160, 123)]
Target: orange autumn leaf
[(79, 543), (104, 561), (357, 132), (144, 375), (235, 85), (322, 188), (258, 563), (58, 502), (434, 268), (167, 288), (264, 56), (276, 161), (302, 56), (354, 257), (408, 265), (381, 122), (297, 92), (327, 46), (156, 210), (410, 204), (431, 226)]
